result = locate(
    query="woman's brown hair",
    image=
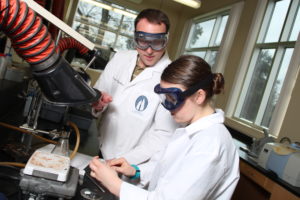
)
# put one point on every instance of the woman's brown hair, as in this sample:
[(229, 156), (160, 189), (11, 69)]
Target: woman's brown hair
[(189, 70)]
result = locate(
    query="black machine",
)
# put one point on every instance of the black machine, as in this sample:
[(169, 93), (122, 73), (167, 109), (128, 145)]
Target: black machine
[(53, 91)]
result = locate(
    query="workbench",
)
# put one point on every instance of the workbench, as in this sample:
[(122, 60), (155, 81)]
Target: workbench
[(258, 183)]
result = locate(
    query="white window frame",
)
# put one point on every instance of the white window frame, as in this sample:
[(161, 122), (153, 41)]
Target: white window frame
[(235, 12), (287, 87)]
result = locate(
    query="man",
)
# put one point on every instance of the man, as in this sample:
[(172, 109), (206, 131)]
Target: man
[(134, 124)]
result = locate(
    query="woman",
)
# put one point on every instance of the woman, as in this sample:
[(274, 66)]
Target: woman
[(200, 161)]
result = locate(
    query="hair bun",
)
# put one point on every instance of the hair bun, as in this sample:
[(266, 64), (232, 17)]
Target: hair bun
[(219, 82)]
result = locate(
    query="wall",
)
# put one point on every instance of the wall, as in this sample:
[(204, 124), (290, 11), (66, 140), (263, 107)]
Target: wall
[(289, 126)]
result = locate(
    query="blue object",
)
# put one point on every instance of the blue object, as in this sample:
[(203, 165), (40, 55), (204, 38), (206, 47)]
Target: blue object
[(2, 196), (295, 146), (277, 163), (137, 172), (157, 41), (172, 98)]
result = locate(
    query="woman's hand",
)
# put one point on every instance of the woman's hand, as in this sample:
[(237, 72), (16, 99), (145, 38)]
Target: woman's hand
[(122, 166), (106, 175)]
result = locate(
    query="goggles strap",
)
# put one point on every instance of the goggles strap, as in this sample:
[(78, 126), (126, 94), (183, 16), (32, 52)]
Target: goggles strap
[(200, 85), (141, 34)]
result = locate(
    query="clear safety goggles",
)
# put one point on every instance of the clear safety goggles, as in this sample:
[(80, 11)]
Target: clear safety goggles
[(172, 98), (157, 41)]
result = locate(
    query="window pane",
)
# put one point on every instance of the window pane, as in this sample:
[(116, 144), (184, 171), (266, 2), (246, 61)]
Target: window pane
[(127, 26), (108, 29), (77, 26), (201, 34), (197, 53), (86, 10), (108, 39), (92, 34), (257, 85), (124, 43), (212, 58), (111, 19), (296, 27), (221, 31), (274, 94), (89, 32), (277, 20)]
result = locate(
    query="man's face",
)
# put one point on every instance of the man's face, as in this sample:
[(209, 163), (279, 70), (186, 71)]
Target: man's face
[(150, 57)]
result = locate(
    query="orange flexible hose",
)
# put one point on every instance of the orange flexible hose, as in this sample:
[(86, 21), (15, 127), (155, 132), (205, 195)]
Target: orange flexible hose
[(13, 164), (29, 37), (73, 125), (26, 131), (68, 43), (75, 128)]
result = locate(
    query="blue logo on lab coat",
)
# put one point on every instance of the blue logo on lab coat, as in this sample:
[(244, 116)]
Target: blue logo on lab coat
[(141, 103)]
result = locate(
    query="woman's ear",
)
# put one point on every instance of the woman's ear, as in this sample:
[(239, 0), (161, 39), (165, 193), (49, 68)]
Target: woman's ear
[(200, 97)]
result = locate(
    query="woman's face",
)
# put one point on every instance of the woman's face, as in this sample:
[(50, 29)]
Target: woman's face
[(186, 113)]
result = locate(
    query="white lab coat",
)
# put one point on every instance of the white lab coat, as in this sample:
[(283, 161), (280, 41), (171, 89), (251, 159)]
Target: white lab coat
[(200, 162), (135, 125)]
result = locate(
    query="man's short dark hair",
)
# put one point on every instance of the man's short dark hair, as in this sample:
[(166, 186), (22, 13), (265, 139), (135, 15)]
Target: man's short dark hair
[(153, 16)]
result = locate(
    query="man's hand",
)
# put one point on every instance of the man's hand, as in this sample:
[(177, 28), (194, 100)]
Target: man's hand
[(102, 101)]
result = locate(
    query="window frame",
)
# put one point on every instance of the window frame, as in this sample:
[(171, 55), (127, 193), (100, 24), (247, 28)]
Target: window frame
[(234, 12), (246, 59), (210, 47)]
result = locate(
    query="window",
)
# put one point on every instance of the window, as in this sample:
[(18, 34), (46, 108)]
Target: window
[(205, 37), (269, 64), (105, 26), (108, 25), (211, 33)]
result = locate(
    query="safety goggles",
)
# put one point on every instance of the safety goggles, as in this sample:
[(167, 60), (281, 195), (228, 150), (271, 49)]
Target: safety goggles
[(172, 98), (157, 41)]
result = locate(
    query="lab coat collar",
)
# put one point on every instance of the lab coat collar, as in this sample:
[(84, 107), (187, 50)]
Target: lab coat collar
[(132, 65), (162, 63), (203, 123), (148, 72)]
